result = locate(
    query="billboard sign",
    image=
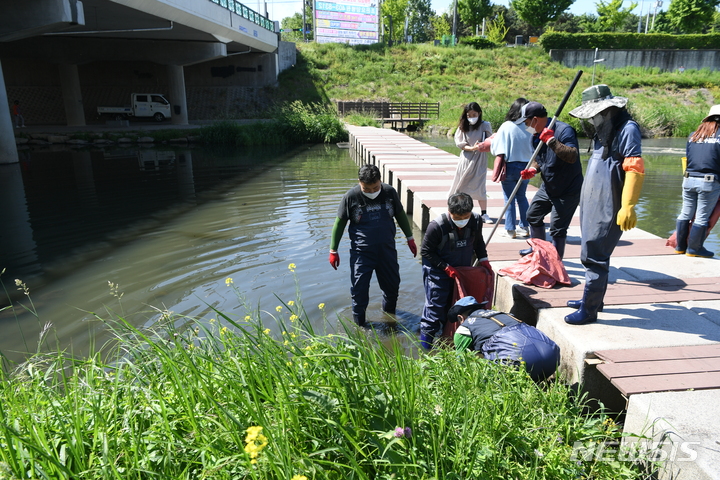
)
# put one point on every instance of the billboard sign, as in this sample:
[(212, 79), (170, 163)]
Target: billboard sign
[(346, 21)]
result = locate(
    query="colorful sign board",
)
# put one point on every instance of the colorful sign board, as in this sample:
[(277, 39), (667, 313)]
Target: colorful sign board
[(347, 21)]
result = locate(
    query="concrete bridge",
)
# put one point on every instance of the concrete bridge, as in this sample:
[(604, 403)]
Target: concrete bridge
[(62, 58)]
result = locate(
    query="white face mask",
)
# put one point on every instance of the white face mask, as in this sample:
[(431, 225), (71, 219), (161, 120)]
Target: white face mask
[(461, 223), (372, 195), (473, 120), (530, 130)]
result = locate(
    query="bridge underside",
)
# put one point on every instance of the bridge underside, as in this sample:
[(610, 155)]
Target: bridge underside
[(78, 49)]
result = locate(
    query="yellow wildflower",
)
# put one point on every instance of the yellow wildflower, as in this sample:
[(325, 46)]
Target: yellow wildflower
[(255, 441), (291, 267), (279, 308), (321, 306), (288, 363), (291, 303), (248, 318), (293, 335), (266, 331), (223, 330), (299, 477), (286, 342), (228, 281), (293, 317)]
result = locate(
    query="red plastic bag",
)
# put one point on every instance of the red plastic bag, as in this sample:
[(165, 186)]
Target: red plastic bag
[(542, 268), (478, 282)]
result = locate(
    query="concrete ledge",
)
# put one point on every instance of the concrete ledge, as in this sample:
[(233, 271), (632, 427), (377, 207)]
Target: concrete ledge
[(684, 429)]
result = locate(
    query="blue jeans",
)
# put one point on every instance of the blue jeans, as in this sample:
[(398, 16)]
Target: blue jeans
[(508, 185), (699, 199)]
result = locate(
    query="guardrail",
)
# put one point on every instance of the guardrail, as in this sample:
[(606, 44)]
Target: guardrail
[(247, 13), (393, 112)]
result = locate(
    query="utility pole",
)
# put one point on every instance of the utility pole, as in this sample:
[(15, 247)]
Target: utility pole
[(455, 21), (657, 5), (642, 5)]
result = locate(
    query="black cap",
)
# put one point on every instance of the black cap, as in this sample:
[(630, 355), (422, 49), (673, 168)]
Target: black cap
[(531, 109), (464, 306)]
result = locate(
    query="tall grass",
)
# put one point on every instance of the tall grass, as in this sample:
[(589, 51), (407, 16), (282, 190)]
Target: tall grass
[(229, 398), (296, 122), (494, 78)]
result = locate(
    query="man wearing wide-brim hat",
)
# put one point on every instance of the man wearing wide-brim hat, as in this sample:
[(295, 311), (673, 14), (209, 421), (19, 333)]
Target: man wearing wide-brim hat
[(611, 189)]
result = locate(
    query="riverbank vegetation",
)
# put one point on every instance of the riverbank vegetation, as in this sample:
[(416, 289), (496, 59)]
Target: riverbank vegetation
[(293, 122), (266, 396), (664, 103)]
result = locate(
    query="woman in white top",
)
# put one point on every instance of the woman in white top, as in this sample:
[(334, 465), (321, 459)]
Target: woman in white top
[(473, 138)]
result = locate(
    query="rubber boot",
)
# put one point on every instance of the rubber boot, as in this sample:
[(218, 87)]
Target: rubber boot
[(587, 313), (359, 319), (535, 232), (389, 306), (559, 243), (681, 235), (695, 242), (578, 303), (426, 341)]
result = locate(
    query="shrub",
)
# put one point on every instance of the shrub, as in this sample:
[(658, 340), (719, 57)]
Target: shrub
[(478, 42), (628, 41)]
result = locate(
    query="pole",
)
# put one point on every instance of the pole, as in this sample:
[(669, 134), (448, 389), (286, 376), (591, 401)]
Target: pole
[(642, 5), (657, 4), (594, 63), (455, 20), (535, 154)]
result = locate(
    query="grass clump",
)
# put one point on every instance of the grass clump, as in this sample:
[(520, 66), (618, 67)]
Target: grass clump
[(266, 397), (492, 77), (296, 122)]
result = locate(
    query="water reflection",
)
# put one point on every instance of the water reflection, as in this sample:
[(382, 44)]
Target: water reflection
[(169, 226)]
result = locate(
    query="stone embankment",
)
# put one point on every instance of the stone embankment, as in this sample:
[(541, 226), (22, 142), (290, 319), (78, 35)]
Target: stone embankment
[(96, 139)]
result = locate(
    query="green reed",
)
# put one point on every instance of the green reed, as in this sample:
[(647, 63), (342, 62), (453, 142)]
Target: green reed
[(266, 397)]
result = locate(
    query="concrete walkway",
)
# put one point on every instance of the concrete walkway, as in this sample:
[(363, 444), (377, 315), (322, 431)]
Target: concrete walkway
[(637, 314)]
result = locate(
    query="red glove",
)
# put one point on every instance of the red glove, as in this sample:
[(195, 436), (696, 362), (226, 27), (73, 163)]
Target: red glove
[(528, 174), (451, 272), (413, 247), (486, 264), (546, 135), (334, 260)]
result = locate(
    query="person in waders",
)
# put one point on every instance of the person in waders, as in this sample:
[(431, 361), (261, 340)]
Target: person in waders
[(559, 194), (370, 207), (613, 180), (450, 241), (701, 187), (500, 337)]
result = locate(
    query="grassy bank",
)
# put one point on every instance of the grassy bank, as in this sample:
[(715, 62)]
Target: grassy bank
[(266, 397), (664, 103)]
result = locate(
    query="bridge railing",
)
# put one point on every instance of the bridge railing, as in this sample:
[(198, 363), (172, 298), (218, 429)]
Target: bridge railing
[(247, 13)]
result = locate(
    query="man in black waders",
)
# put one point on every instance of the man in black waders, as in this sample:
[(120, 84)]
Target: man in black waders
[(561, 171), (503, 338), (370, 207), (613, 180), (450, 241)]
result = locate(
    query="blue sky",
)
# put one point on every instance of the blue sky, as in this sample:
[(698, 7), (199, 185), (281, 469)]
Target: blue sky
[(279, 9)]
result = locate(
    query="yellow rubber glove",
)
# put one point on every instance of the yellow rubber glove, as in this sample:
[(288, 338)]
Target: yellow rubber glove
[(626, 217)]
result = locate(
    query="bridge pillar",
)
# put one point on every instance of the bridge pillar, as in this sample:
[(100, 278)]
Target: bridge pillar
[(72, 96), (178, 101), (8, 148)]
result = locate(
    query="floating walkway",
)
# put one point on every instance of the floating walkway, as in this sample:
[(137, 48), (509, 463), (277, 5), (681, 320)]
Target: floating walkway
[(655, 350)]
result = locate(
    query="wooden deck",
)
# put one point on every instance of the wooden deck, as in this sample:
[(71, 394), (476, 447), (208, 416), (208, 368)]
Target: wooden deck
[(663, 369)]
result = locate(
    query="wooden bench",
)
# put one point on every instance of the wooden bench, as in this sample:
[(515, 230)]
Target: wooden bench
[(394, 113)]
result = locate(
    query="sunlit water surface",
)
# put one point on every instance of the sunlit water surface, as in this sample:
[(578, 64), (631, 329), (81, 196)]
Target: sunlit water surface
[(169, 226)]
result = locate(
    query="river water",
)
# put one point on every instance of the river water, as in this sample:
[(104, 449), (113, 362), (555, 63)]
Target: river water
[(169, 226)]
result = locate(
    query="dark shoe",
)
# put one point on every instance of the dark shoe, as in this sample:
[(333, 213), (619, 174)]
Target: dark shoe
[(359, 319), (389, 306), (681, 235), (581, 317), (525, 251), (578, 303), (559, 243)]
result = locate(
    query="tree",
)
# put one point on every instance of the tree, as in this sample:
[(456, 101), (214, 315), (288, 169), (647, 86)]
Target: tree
[(472, 12), (691, 16), (611, 15), (441, 25), (539, 12), (293, 23), (419, 15), (393, 12)]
